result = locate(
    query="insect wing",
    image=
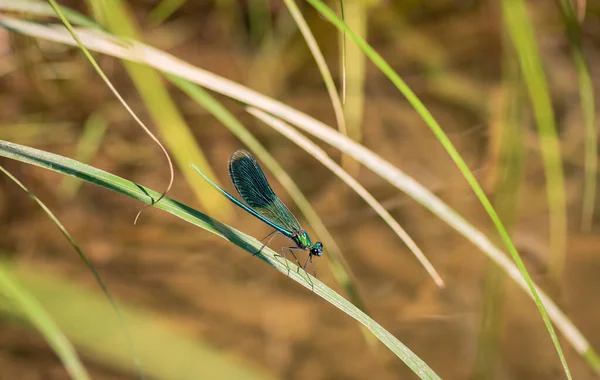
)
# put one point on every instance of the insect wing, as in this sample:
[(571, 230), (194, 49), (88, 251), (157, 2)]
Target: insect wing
[(252, 185)]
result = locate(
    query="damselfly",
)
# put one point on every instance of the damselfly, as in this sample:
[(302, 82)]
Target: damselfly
[(261, 201)]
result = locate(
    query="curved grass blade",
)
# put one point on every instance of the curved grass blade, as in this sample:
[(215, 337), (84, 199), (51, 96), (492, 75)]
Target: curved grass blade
[(42, 321), (104, 179), (88, 263), (460, 163), (321, 156), (130, 50), (321, 64)]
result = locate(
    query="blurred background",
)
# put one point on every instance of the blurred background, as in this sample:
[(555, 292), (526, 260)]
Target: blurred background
[(199, 307)]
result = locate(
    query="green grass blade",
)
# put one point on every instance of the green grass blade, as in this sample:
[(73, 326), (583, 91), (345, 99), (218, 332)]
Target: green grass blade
[(168, 352), (522, 37), (354, 64), (586, 97), (460, 163), (355, 13), (321, 64), (41, 320), (343, 59), (99, 177), (87, 262)]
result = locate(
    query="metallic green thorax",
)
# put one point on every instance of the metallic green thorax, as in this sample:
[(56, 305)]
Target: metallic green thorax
[(302, 240)]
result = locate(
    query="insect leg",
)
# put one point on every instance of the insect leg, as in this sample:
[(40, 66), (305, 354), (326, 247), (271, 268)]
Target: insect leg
[(304, 266), (274, 233), (287, 265), (312, 264)]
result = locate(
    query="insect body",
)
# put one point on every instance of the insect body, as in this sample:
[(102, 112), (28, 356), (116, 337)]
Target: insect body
[(260, 201)]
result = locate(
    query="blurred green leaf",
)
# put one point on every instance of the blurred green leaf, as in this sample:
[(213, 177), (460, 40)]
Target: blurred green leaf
[(24, 303), (166, 353)]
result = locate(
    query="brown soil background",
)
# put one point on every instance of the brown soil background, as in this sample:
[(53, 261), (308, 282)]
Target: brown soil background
[(224, 297)]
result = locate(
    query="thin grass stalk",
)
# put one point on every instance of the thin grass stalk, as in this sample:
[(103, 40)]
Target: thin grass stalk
[(355, 15), (321, 64)]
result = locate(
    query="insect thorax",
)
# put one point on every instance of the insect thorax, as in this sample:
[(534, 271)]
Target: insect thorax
[(302, 240)]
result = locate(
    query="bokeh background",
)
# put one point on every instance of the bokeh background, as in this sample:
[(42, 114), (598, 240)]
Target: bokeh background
[(202, 308)]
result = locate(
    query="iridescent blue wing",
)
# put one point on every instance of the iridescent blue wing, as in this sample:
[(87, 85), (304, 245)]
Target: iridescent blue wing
[(252, 185)]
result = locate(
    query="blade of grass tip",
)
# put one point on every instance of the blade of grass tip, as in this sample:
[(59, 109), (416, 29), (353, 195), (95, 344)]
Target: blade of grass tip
[(163, 10), (123, 102), (460, 163), (112, 182), (87, 262), (338, 265), (42, 321), (313, 46), (157, 59), (165, 114), (586, 95), (93, 133), (320, 155), (523, 39)]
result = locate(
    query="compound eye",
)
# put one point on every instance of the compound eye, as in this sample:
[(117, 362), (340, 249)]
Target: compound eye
[(317, 250)]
